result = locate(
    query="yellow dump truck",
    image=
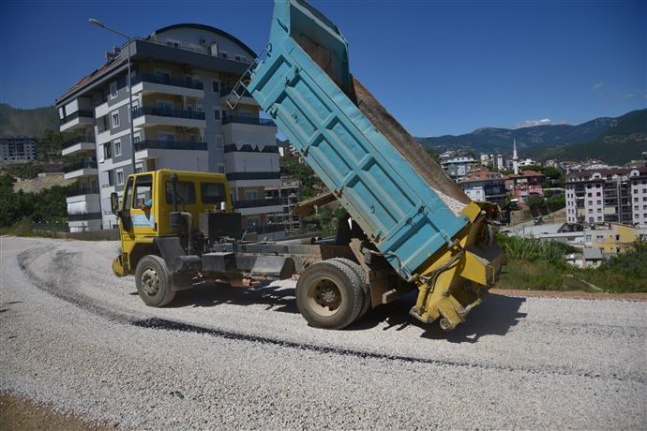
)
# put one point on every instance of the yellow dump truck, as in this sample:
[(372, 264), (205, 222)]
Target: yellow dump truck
[(409, 226)]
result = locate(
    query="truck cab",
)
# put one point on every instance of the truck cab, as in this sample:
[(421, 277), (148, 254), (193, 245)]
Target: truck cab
[(162, 204)]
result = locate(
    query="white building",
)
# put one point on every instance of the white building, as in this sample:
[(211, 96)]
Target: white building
[(15, 149), (607, 195), (181, 76), (457, 166)]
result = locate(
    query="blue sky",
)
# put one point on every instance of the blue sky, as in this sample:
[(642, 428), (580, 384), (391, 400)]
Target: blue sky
[(440, 67)]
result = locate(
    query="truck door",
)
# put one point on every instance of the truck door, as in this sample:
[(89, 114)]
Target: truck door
[(143, 207)]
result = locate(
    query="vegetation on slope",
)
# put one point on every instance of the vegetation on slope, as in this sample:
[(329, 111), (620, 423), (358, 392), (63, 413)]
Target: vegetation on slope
[(539, 265), (46, 206)]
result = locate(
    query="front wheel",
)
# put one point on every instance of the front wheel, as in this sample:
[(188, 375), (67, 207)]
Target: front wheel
[(329, 295), (154, 282)]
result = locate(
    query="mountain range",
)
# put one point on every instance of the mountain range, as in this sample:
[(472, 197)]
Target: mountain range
[(613, 140)]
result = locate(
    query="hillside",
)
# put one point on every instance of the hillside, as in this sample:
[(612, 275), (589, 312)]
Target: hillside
[(613, 140), (624, 141), (27, 122)]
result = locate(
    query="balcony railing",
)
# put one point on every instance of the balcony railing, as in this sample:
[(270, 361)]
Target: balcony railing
[(248, 120), (84, 217), (77, 140), (241, 176), (233, 148), (82, 190), (255, 203), (171, 145), (75, 115), (79, 166), (164, 112), (175, 82)]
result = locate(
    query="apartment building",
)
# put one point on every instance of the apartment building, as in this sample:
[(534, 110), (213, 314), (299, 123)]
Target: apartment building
[(174, 116), (17, 149), (457, 165), (617, 195), (525, 184), (485, 186)]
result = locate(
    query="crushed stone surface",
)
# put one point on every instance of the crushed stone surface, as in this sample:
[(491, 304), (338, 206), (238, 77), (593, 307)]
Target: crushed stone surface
[(77, 338)]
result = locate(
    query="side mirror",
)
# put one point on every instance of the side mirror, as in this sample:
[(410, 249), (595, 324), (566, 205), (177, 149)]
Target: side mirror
[(114, 204)]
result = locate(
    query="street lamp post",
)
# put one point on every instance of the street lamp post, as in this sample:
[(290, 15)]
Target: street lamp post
[(130, 88)]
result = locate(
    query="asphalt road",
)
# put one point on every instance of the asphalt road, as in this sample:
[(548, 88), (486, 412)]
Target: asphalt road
[(78, 338)]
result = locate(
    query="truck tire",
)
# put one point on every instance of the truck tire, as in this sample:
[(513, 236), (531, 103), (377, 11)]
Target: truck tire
[(329, 295), (154, 282), (357, 269)]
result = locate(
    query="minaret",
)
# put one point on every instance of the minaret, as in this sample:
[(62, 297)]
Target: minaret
[(515, 158)]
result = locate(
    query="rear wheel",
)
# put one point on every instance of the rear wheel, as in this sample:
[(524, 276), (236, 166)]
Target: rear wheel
[(359, 272), (329, 295), (154, 281)]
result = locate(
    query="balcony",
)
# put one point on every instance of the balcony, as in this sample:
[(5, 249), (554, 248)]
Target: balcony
[(82, 190), (151, 116), (149, 84), (246, 176), (77, 119), (81, 169), (246, 148), (173, 153), (246, 98), (84, 217), (171, 145), (78, 145), (255, 121)]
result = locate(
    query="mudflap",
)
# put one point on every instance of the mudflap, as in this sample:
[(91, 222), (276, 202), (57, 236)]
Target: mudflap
[(118, 266)]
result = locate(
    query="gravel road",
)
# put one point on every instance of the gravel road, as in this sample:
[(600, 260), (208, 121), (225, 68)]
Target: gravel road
[(78, 338)]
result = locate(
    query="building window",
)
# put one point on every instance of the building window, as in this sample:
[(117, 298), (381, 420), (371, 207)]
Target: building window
[(120, 177), (113, 90), (115, 119), (215, 86), (117, 147), (216, 114), (107, 150)]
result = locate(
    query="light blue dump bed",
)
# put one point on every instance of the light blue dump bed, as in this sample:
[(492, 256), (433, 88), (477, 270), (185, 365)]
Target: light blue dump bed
[(303, 84)]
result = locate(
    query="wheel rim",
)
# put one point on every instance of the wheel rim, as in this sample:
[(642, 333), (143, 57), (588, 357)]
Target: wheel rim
[(150, 282), (324, 297)]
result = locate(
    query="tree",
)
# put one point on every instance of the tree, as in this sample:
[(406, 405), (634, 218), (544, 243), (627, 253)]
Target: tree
[(536, 204), (45, 206)]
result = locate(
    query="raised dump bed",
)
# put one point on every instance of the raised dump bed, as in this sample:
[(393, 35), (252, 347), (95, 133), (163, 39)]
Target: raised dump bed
[(412, 212)]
